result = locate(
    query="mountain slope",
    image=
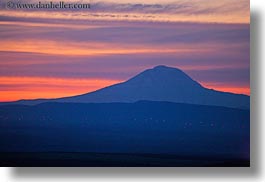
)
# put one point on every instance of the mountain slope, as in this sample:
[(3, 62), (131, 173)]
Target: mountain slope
[(162, 84), (158, 84)]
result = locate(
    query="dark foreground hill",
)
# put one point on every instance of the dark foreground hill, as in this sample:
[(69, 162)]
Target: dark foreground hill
[(124, 134)]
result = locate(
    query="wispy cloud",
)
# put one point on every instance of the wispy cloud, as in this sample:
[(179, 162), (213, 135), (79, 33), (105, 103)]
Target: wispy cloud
[(191, 7), (225, 11)]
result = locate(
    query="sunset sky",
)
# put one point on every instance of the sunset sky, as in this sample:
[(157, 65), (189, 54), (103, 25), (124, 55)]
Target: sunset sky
[(56, 53)]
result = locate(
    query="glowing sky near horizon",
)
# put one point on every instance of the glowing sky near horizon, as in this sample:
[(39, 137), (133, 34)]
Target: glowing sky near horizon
[(50, 54)]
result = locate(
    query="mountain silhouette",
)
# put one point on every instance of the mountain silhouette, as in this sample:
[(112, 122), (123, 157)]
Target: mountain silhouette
[(160, 83), (161, 115)]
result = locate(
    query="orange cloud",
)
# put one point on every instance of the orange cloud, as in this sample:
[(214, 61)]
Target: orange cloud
[(16, 88), (240, 89), (89, 49)]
